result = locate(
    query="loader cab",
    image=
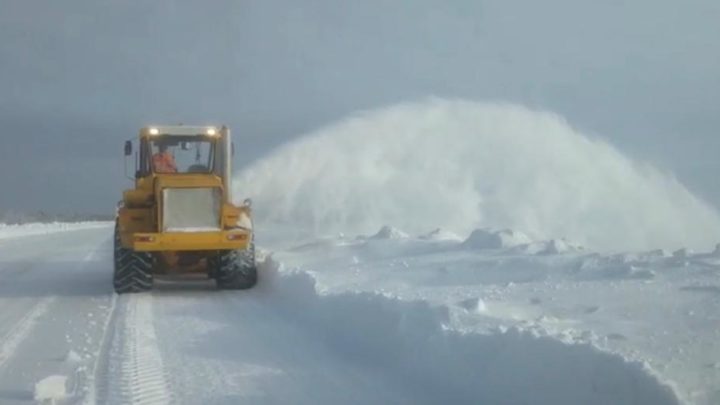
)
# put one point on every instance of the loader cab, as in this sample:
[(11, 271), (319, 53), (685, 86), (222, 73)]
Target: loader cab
[(182, 150), (172, 154)]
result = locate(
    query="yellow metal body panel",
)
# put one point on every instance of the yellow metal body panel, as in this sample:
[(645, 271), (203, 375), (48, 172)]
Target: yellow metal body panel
[(187, 241), (141, 195), (133, 220), (186, 180)]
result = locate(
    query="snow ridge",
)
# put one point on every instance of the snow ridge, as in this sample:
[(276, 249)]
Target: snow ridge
[(99, 381), (31, 229), (411, 344), (136, 372)]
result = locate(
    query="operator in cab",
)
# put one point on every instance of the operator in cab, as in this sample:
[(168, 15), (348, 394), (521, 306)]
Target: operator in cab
[(164, 161)]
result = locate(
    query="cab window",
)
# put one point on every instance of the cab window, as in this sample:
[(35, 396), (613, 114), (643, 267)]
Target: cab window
[(181, 155)]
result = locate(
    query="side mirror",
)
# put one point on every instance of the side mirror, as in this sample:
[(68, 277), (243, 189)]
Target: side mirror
[(185, 146), (128, 148)]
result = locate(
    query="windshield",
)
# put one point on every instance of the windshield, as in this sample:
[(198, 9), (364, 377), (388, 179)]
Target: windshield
[(182, 155)]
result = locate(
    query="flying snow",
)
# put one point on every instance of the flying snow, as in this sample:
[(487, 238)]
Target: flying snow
[(463, 165)]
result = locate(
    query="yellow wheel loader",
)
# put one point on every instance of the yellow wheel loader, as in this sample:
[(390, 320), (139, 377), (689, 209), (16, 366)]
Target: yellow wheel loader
[(179, 218)]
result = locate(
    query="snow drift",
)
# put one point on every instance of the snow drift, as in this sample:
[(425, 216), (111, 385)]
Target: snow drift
[(465, 165), (408, 343)]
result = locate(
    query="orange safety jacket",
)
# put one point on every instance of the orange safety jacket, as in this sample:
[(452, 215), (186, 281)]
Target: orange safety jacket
[(164, 163)]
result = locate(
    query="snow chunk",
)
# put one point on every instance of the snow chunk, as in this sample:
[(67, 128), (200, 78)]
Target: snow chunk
[(682, 253), (72, 357), (489, 239), (476, 305), (661, 253), (388, 232), (716, 252), (51, 388)]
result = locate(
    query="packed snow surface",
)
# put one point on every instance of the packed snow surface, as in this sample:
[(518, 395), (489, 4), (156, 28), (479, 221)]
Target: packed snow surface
[(380, 320), (466, 165), (11, 231)]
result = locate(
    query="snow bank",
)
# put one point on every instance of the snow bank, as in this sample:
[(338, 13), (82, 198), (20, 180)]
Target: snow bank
[(410, 344), (13, 231), (465, 165)]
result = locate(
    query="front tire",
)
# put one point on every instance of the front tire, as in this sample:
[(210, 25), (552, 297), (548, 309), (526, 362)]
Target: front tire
[(235, 269), (132, 270)]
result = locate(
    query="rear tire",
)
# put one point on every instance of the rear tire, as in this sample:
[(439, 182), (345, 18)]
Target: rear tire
[(133, 270), (235, 269)]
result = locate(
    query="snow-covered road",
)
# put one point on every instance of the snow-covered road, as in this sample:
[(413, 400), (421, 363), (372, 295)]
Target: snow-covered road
[(65, 336), (185, 343)]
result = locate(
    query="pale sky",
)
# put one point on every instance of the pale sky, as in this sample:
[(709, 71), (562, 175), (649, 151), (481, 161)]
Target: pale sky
[(79, 77)]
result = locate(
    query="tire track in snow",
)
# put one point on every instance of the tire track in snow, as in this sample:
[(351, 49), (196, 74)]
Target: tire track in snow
[(97, 387), (18, 333), (136, 373)]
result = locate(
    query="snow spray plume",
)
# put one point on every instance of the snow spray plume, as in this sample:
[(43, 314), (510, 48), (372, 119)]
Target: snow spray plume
[(463, 165)]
